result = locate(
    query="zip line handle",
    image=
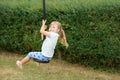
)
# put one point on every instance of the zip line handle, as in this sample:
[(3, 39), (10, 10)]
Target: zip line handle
[(44, 10)]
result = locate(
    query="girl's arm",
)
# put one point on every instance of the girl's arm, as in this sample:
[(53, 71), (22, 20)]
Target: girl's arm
[(42, 30)]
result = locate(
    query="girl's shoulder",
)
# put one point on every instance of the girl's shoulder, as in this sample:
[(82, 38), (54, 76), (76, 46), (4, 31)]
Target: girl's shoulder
[(54, 34)]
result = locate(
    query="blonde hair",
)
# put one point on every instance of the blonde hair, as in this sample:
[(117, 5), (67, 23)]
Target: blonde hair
[(61, 32)]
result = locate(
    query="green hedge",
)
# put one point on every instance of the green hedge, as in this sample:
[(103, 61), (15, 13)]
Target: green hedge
[(93, 33)]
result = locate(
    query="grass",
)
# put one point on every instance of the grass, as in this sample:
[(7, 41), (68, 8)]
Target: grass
[(55, 70), (59, 4)]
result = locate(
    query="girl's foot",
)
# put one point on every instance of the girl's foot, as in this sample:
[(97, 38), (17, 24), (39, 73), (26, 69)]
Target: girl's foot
[(19, 64), (38, 64)]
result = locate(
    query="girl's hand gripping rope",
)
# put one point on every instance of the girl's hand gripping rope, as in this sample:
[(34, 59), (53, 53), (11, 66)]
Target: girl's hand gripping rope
[(43, 27)]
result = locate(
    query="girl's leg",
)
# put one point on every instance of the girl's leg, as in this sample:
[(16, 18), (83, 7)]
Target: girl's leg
[(27, 58), (37, 63), (22, 62)]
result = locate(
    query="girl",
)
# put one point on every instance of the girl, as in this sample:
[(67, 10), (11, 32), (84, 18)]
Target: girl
[(55, 31)]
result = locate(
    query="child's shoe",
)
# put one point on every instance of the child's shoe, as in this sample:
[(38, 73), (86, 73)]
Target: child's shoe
[(19, 64)]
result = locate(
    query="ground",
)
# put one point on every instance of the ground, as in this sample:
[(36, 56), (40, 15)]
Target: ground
[(55, 70)]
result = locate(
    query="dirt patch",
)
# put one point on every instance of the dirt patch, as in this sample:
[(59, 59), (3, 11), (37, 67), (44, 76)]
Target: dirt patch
[(8, 72)]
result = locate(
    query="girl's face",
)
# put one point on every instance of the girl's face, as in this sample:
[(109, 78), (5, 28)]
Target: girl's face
[(54, 28)]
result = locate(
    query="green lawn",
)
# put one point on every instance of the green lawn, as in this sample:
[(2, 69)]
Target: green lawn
[(58, 4), (55, 70)]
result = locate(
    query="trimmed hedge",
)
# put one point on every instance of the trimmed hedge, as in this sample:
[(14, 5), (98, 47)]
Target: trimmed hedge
[(93, 33)]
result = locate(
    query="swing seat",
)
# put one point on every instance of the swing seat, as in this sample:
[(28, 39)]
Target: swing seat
[(40, 61)]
